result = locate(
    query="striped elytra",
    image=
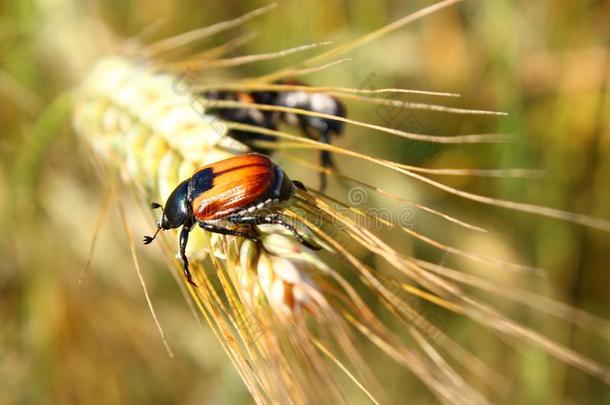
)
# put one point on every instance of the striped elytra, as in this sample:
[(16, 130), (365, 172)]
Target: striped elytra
[(238, 184)]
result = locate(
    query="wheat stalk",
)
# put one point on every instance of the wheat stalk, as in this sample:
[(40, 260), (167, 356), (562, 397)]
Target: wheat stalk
[(290, 321)]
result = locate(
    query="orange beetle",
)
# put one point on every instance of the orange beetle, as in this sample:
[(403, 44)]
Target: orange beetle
[(241, 190)]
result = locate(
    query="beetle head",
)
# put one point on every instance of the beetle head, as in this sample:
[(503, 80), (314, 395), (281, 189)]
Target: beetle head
[(176, 212)]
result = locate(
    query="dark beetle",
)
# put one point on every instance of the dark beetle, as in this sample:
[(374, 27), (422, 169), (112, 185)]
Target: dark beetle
[(242, 190), (317, 128)]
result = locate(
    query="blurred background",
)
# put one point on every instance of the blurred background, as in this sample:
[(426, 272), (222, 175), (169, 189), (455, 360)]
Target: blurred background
[(546, 63)]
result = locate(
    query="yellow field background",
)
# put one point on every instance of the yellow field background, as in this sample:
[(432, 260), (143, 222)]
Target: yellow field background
[(545, 63)]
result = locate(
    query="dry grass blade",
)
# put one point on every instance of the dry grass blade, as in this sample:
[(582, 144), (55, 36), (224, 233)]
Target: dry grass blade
[(472, 308), (186, 38), (458, 139), (570, 314), (197, 64), (438, 245), (221, 50), (365, 39), (416, 106), (385, 193), (136, 263), (291, 73), (318, 89), (96, 231), (581, 219)]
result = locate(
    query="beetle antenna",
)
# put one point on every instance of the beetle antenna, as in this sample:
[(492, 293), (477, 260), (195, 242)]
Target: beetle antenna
[(155, 205), (149, 239)]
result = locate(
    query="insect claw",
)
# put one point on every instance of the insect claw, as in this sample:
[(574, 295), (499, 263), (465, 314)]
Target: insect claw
[(312, 246), (299, 184), (155, 205), (149, 239)]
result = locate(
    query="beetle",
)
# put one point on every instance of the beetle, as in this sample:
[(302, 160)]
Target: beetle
[(243, 190), (317, 128)]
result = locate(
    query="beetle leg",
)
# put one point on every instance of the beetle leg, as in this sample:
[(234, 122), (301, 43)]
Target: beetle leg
[(226, 231), (274, 219), (326, 160), (299, 185), (184, 238)]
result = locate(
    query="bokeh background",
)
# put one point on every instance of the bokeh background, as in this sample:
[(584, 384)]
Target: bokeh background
[(546, 63)]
